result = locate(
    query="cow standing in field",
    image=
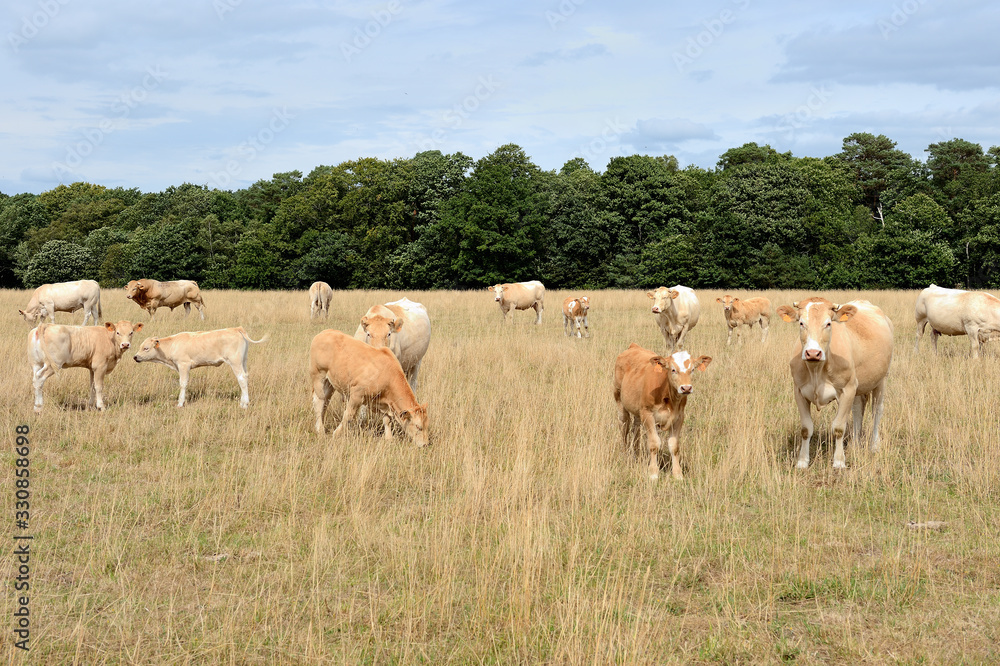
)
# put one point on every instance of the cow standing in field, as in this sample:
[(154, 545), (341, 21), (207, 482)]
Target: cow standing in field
[(184, 351), (957, 312), (364, 375), (52, 347), (150, 295), (677, 311), (739, 312), (843, 354), (653, 391), (575, 314), (519, 296), (320, 295), (404, 328), (64, 297)]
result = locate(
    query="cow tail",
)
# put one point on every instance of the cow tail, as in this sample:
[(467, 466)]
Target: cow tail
[(249, 339)]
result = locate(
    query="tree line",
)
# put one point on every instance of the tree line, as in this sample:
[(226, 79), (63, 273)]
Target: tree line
[(869, 217)]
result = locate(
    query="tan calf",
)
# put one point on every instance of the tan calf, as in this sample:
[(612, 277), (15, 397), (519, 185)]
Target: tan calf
[(653, 390), (519, 296), (957, 312), (677, 311), (843, 354), (320, 296), (739, 312), (49, 299), (364, 375), (184, 351), (150, 295), (52, 347), (575, 315)]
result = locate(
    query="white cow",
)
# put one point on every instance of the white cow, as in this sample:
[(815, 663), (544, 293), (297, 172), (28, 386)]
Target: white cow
[(957, 312), (320, 295), (677, 311), (64, 297), (519, 296), (404, 328)]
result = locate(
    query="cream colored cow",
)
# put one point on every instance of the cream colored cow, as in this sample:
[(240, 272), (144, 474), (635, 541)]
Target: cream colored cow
[(320, 296), (49, 299), (843, 354), (404, 327), (677, 311), (957, 312), (519, 296)]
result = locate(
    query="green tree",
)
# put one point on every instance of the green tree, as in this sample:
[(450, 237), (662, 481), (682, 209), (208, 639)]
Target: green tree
[(58, 261)]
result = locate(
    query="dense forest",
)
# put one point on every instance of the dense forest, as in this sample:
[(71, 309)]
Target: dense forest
[(869, 217)]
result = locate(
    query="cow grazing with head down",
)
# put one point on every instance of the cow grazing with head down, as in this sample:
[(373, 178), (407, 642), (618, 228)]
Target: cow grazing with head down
[(519, 296), (184, 351), (958, 312), (652, 391), (320, 295), (401, 326), (843, 354), (364, 375), (52, 347), (677, 311), (49, 299), (150, 295), (575, 315), (739, 312)]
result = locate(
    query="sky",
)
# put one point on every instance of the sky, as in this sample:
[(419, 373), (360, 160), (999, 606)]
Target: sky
[(223, 93)]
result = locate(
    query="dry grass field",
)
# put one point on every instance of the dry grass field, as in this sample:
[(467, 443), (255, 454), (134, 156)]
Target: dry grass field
[(524, 533)]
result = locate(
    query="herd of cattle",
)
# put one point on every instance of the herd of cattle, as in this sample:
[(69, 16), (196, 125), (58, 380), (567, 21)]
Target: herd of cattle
[(843, 354)]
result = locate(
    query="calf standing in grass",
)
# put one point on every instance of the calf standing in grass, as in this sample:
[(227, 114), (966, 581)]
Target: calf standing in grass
[(747, 312), (575, 314), (52, 347), (653, 390), (184, 351), (364, 375), (320, 295)]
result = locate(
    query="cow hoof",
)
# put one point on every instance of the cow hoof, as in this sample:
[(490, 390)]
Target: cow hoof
[(839, 464), (38, 409), (802, 464), (244, 405), (654, 476)]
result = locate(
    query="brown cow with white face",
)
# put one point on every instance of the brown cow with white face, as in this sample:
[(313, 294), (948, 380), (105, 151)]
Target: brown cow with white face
[(653, 391), (150, 295), (739, 313), (843, 354), (519, 296), (52, 347), (575, 315), (364, 376), (320, 296)]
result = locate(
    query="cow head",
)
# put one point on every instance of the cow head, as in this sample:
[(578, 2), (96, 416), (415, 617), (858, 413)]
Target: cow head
[(584, 303), (379, 330), (33, 317), (727, 302), (135, 289), (816, 317), (414, 422), (121, 333), (149, 350), (497, 290), (680, 368), (661, 298)]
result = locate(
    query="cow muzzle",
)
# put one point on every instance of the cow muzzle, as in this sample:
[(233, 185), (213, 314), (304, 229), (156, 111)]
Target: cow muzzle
[(656, 309), (685, 389), (812, 354)]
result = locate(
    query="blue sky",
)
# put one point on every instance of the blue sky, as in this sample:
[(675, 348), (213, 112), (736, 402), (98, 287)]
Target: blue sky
[(225, 92)]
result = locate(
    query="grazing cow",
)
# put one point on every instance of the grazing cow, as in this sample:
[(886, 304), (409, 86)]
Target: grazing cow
[(957, 312), (653, 390), (749, 312), (53, 347), (151, 295), (404, 327), (843, 354), (320, 295), (519, 296), (183, 351), (677, 311), (64, 297), (575, 314), (363, 375)]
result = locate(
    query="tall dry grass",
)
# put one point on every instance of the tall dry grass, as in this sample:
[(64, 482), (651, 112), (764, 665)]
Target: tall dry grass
[(524, 533)]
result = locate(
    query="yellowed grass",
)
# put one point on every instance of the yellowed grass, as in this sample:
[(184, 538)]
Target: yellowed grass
[(524, 534)]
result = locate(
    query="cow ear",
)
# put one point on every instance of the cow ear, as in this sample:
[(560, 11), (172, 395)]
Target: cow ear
[(674, 293), (364, 322), (719, 300), (137, 327), (108, 325), (736, 300), (658, 362), (845, 312), (397, 324), (404, 415), (702, 362), (20, 312), (650, 294), (156, 343), (786, 313)]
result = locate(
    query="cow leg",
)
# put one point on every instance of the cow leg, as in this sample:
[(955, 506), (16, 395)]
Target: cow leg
[(354, 401), (412, 377), (201, 310), (921, 325), (97, 387), (934, 338), (877, 397), (87, 313), (805, 416), (538, 312), (844, 406), (322, 391), (241, 378), (624, 424), (567, 328), (184, 371), (41, 373), (654, 444), (680, 338), (857, 416), (674, 444), (973, 334), (765, 325), (586, 326), (387, 427)]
